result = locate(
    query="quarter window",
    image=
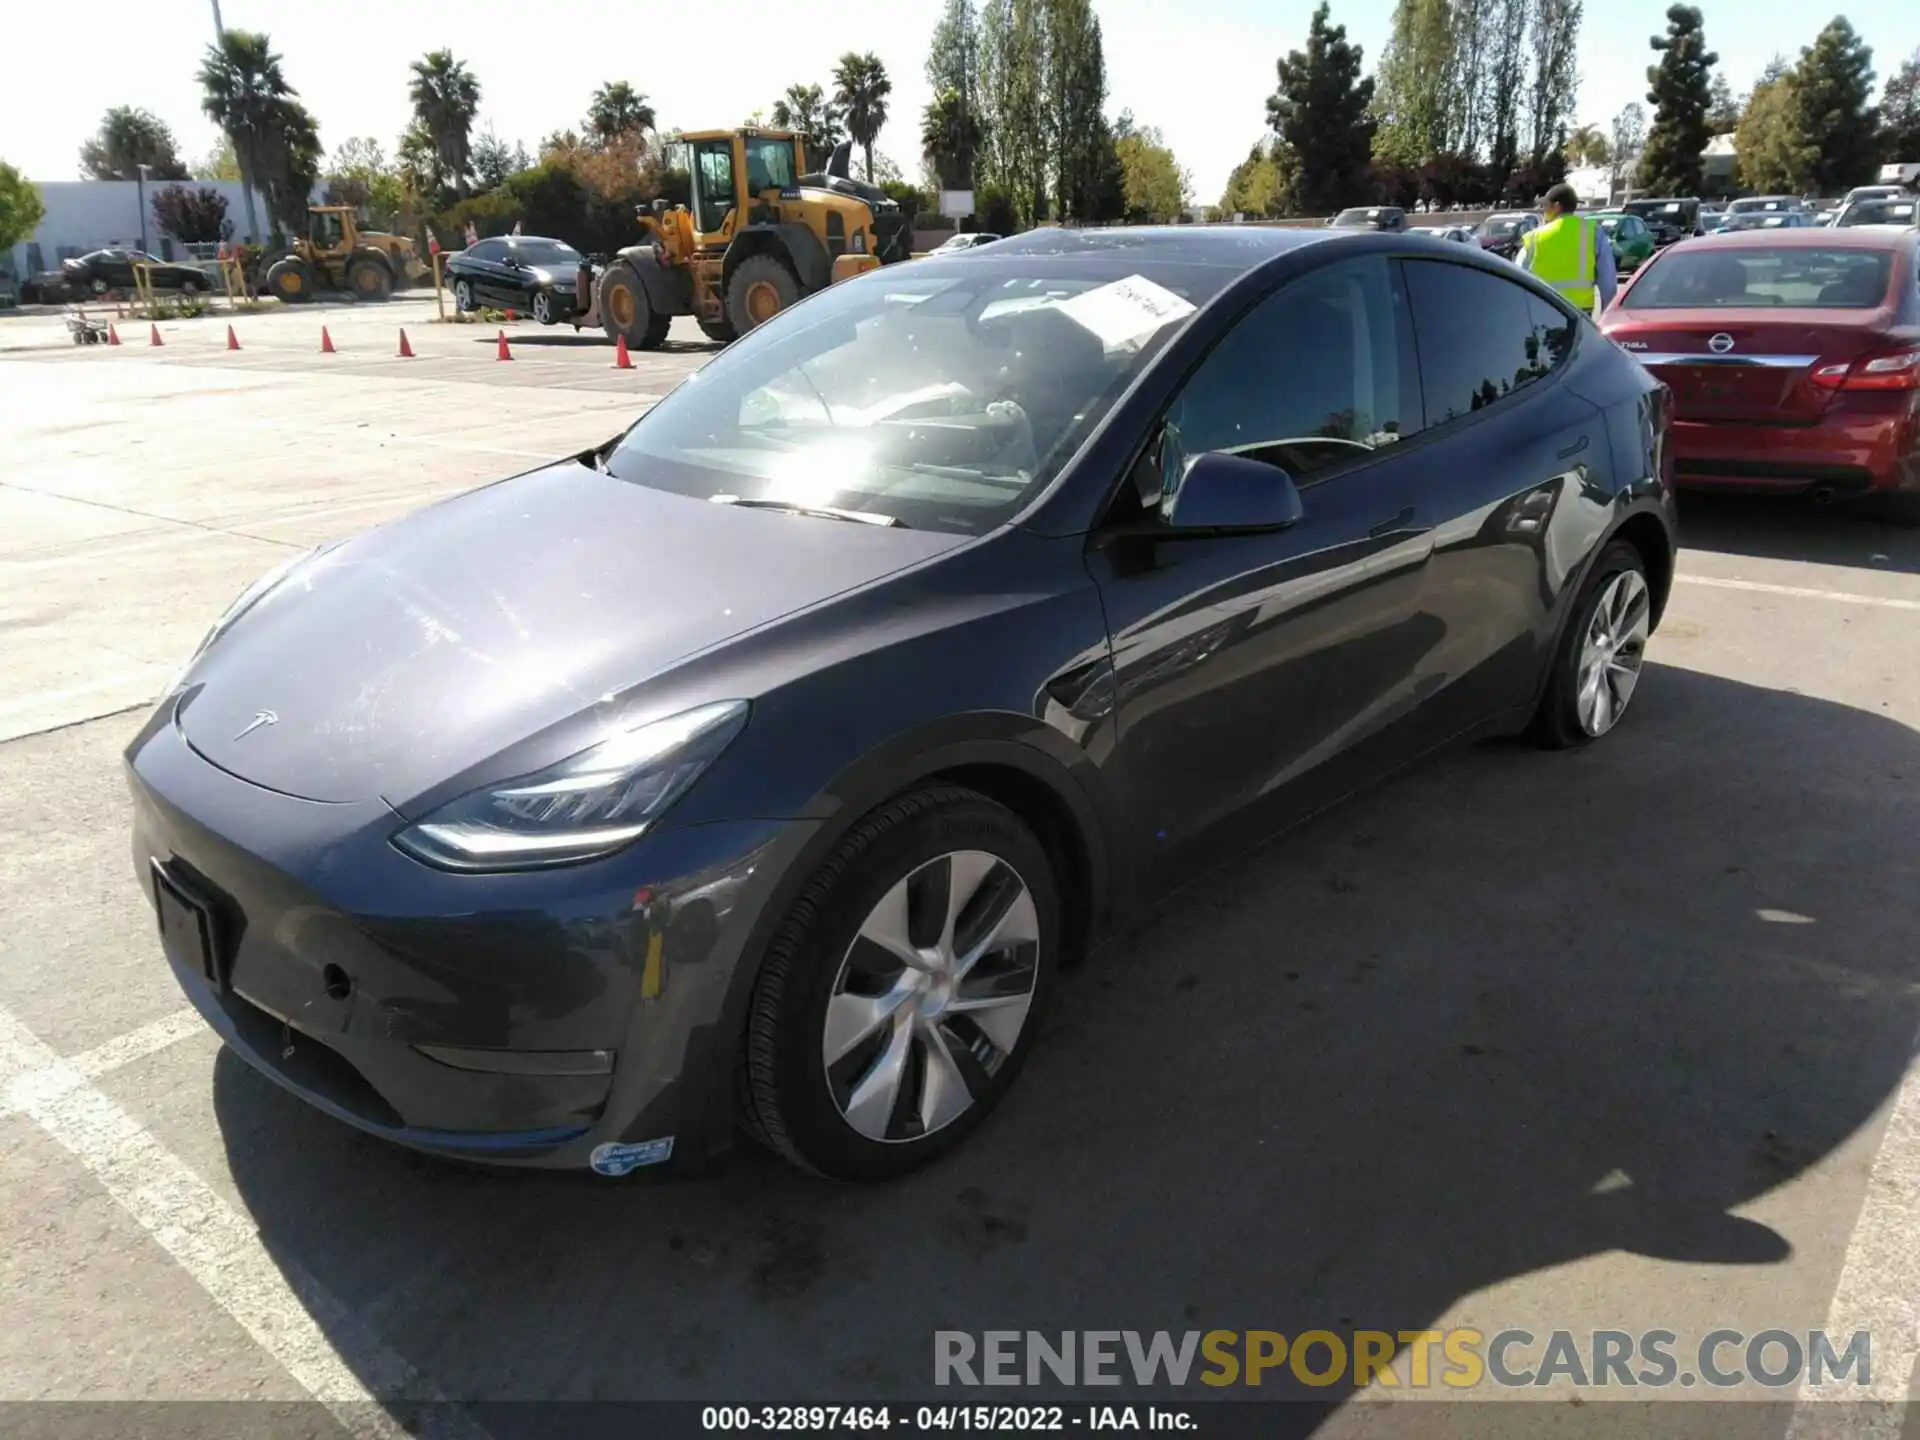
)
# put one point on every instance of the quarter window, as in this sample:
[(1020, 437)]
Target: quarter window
[(1481, 337), (1315, 379)]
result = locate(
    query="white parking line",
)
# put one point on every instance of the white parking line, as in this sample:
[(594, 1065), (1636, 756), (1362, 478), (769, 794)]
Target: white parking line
[(1802, 592), (1879, 1292), (289, 1314)]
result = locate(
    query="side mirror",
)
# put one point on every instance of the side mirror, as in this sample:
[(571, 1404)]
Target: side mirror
[(1221, 491)]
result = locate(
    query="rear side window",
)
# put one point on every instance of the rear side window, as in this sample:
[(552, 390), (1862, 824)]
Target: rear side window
[(1481, 337), (487, 250), (1753, 278)]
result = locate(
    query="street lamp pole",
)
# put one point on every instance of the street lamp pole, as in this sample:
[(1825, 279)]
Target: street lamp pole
[(141, 183)]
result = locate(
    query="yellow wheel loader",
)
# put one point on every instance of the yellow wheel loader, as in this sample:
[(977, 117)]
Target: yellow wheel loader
[(338, 255), (758, 236)]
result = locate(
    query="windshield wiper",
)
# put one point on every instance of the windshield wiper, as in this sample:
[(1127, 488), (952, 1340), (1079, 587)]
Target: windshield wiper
[(826, 512)]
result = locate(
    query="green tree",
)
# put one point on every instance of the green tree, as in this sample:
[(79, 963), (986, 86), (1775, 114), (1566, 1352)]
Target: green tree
[(1723, 108), (1154, 186), (1413, 96), (808, 109), (1320, 111), (860, 89), (1773, 153), (1587, 146), (127, 139), (1679, 91), (1554, 32), (494, 161), (21, 208), (219, 163), (950, 140), (1013, 100), (1900, 113), (445, 99), (1833, 87), (1075, 83), (1506, 59), (1627, 141), (243, 87), (617, 110), (1467, 80), (1258, 185), (359, 174)]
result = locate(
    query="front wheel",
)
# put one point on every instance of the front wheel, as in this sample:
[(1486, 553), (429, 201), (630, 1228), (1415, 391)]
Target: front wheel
[(1597, 667), (462, 296), (904, 990), (543, 307), (626, 311), (760, 289)]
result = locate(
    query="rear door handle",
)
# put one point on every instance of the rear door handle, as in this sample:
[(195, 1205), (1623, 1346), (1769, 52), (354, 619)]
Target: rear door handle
[(1567, 452), (1387, 527)]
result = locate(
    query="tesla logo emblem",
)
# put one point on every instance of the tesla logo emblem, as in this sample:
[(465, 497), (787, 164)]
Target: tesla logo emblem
[(261, 719), (1721, 343)]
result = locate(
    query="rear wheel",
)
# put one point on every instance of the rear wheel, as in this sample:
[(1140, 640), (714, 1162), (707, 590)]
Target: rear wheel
[(369, 279), (902, 993), (290, 281), (762, 286), (626, 311), (1597, 667)]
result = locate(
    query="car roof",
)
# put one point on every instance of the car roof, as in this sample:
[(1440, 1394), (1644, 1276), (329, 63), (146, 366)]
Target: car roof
[(1216, 244), (1857, 237)]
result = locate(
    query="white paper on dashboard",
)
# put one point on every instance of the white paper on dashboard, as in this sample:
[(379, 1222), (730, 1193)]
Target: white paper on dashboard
[(1125, 313)]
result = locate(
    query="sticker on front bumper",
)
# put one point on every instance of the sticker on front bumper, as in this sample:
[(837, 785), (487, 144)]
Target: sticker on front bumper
[(611, 1159)]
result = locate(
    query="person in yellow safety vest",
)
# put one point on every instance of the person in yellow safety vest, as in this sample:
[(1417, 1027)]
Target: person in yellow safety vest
[(1571, 253)]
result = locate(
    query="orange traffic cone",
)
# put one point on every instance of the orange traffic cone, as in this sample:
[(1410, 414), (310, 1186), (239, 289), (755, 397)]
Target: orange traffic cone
[(155, 338), (503, 353), (326, 342), (113, 335), (406, 350), (233, 340), (621, 360)]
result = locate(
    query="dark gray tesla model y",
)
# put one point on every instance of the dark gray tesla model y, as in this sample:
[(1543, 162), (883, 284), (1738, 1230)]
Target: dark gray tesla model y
[(759, 769)]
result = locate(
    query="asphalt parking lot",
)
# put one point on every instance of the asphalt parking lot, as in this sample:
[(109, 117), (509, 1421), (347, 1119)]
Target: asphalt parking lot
[(1617, 1039)]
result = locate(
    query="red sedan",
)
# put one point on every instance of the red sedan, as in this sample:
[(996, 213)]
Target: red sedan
[(1793, 357)]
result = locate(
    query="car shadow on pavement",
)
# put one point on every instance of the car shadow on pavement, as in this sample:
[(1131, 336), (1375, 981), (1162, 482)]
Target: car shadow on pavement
[(1507, 1011), (1794, 528)]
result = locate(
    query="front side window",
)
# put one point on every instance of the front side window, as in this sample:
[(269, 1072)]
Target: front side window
[(769, 164), (489, 251), (1318, 377), (546, 252), (1757, 278), (1481, 337), (943, 398)]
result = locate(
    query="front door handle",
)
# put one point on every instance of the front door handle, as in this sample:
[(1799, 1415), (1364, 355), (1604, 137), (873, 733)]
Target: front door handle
[(1387, 527)]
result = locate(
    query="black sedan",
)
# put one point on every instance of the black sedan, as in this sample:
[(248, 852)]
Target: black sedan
[(761, 767), (518, 272), (102, 270)]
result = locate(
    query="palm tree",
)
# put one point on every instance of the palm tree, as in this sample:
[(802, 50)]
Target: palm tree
[(244, 85), (618, 109), (807, 109), (445, 99), (860, 89), (950, 140), (1587, 146)]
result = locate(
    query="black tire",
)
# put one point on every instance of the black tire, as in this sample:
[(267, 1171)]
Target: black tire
[(1556, 725), (626, 310), (542, 308), (786, 1100), (718, 330), (291, 281), (370, 279), (463, 296), (757, 282)]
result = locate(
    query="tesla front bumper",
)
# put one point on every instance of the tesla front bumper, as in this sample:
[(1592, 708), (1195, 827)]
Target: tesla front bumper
[(572, 1017)]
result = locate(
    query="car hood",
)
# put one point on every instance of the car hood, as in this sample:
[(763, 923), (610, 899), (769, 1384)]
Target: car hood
[(394, 662)]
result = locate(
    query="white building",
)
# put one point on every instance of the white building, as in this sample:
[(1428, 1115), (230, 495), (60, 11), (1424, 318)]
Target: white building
[(85, 215)]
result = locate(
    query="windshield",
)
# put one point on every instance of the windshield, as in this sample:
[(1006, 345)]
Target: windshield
[(1498, 225), (1764, 205), (546, 252), (943, 399), (1668, 210), (1756, 278), (1881, 212)]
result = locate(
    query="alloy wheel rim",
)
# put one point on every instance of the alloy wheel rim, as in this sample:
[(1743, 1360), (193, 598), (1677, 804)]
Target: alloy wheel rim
[(542, 309), (931, 997), (1612, 652)]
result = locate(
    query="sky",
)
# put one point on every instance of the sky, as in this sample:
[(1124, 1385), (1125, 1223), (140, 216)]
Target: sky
[(1202, 77)]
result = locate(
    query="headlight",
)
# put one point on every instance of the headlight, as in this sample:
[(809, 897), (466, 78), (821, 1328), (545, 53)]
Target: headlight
[(247, 599), (586, 806)]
